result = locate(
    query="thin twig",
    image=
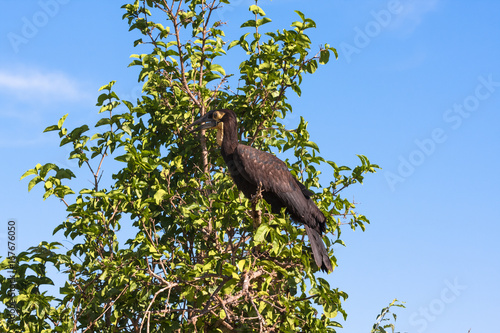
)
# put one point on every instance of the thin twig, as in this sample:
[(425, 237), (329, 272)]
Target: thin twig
[(110, 304)]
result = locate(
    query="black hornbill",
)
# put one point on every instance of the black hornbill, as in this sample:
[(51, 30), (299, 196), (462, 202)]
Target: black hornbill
[(252, 169)]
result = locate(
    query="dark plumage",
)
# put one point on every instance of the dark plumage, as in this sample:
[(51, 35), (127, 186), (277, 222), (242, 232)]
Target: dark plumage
[(250, 167)]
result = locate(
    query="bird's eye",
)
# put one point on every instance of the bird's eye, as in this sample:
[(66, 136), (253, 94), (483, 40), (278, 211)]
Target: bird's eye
[(217, 115)]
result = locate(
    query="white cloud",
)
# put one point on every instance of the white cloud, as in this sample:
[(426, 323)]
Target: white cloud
[(31, 99), (19, 114), (12, 141), (413, 13), (37, 86)]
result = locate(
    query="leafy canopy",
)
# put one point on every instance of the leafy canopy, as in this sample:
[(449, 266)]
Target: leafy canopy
[(203, 258)]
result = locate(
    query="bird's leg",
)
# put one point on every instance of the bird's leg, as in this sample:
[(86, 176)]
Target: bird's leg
[(256, 214)]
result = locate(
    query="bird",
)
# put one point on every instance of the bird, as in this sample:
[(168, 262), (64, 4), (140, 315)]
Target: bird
[(254, 170)]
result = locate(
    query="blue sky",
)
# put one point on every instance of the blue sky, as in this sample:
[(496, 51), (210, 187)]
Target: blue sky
[(416, 89)]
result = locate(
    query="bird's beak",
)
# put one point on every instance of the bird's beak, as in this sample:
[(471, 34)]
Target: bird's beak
[(204, 123)]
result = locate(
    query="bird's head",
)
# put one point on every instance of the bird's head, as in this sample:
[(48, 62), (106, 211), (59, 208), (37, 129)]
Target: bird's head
[(212, 119)]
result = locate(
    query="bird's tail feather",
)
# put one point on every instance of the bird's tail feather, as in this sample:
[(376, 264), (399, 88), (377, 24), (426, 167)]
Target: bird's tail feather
[(319, 250)]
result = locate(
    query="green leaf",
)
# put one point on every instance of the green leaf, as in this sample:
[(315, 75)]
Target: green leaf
[(312, 66), (324, 56), (159, 196), (34, 181), (263, 21), (296, 89), (103, 121), (102, 97), (64, 174), (217, 68), (123, 158), (229, 286), (107, 86), (241, 264), (233, 44), (60, 122), (29, 172), (330, 314), (302, 16), (249, 23), (312, 145), (257, 10), (51, 128), (222, 314), (261, 233), (46, 168), (77, 132)]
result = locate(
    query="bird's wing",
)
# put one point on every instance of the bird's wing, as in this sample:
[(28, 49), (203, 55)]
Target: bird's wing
[(260, 167), (307, 193), (284, 190), (281, 189)]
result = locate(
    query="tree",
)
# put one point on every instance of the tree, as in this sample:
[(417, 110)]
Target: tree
[(204, 258)]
